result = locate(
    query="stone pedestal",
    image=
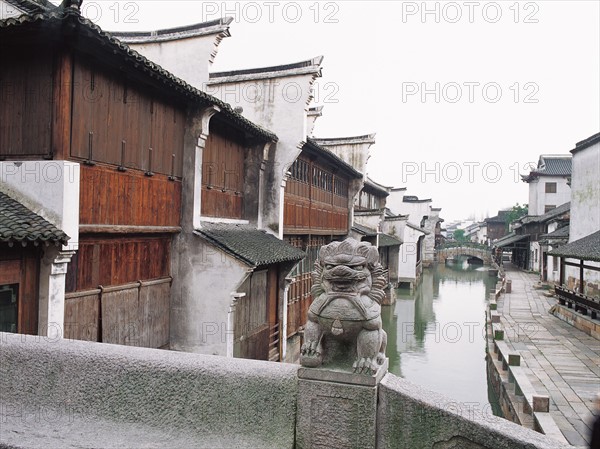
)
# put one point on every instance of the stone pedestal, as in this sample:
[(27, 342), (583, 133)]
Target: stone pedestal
[(337, 409)]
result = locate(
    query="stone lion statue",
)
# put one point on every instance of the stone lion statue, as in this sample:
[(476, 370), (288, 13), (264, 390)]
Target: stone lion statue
[(345, 316)]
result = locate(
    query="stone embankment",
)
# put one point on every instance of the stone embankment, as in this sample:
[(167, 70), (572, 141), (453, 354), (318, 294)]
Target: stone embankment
[(544, 371)]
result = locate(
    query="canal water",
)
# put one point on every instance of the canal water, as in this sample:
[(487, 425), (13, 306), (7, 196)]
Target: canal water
[(436, 336)]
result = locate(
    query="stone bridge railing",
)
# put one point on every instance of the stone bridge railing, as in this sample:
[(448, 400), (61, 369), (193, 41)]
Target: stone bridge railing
[(71, 393), (463, 249)]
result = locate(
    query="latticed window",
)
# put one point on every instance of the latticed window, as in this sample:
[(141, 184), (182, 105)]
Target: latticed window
[(299, 170), (340, 187)]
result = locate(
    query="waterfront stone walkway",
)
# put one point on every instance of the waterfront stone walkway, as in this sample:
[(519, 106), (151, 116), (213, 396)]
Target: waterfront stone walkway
[(560, 360)]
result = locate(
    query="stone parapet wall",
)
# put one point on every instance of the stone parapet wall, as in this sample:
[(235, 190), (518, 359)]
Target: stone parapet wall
[(71, 393), (411, 417), (121, 396)]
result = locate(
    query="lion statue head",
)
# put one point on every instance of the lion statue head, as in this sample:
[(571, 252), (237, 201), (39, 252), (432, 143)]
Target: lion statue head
[(349, 266)]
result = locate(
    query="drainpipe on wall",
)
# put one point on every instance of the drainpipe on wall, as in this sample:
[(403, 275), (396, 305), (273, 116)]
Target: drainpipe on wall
[(231, 322)]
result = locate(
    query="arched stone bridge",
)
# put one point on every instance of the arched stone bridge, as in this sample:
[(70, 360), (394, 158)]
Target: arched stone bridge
[(448, 251)]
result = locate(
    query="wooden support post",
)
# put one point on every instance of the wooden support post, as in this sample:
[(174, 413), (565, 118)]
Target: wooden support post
[(581, 280)]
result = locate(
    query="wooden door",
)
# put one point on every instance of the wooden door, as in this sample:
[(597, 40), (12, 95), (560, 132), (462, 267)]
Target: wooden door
[(251, 328), (273, 314), (19, 292)]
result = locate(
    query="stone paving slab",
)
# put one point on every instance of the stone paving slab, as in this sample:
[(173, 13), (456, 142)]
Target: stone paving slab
[(558, 359)]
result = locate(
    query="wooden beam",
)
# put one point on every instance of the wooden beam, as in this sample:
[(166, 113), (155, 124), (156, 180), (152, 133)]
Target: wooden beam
[(127, 229)]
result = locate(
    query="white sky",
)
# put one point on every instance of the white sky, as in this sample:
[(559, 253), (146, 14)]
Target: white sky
[(539, 61)]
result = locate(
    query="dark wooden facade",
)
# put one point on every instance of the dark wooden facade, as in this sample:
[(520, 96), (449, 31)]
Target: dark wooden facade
[(118, 124), (109, 197), (128, 140), (257, 326), (316, 211), (316, 199), (26, 111), (299, 295), (223, 173)]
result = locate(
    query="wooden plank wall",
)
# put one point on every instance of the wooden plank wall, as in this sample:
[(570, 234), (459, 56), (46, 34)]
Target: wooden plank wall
[(114, 111), (109, 197), (299, 296), (299, 300), (25, 104), (112, 260), (316, 200), (135, 314), (223, 175), (82, 315), (251, 323), (302, 216)]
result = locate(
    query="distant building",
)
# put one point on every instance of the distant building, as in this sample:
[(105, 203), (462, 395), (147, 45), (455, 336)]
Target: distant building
[(580, 257), (497, 226), (549, 183), (420, 214), (369, 222), (530, 252)]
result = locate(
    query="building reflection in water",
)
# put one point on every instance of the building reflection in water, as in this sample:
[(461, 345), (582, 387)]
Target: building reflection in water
[(436, 336)]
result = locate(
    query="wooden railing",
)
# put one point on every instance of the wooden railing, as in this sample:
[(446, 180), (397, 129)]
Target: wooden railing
[(582, 303)]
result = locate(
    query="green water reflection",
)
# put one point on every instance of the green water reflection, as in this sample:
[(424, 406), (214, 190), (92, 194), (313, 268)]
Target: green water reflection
[(436, 335)]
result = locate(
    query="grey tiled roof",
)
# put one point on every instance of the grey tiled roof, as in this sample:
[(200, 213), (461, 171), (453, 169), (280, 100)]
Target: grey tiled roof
[(509, 239), (92, 38), (333, 158), (585, 143), (552, 213), (19, 224), (388, 240), (550, 166), (383, 190), (416, 228), (364, 230), (32, 6), (414, 199), (559, 234), (252, 246), (310, 63), (556, 166), (186, 31), (500, 218), (586, 248)]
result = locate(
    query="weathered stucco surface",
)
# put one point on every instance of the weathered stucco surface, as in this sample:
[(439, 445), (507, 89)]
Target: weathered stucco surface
[(120, 396), (411, 417), (72, 394)]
